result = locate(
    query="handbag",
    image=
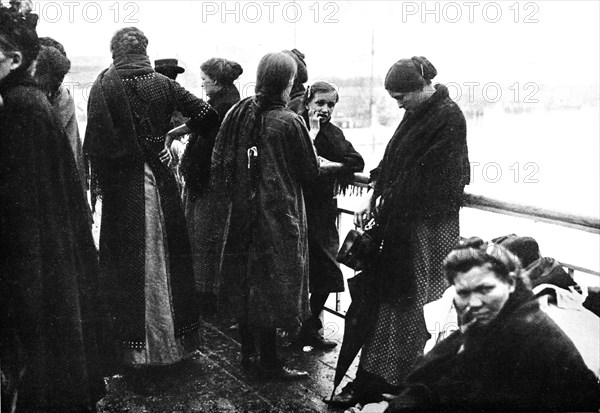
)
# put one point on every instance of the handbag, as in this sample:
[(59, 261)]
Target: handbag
[(361, 247)]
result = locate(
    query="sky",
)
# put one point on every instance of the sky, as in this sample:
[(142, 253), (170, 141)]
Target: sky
[(468, 41), (525, 47)]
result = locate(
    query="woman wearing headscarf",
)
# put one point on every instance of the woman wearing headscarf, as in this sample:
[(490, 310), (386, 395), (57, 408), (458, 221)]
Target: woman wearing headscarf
[(49, 268), (145, 258), (417, 193), (263, 155), (51, 68)]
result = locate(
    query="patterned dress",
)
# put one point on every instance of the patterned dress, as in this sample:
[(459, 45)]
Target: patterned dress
[(421, 181), (145, 256)]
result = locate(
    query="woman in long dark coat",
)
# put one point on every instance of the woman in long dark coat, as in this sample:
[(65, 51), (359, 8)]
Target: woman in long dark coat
[(339, 161), (418, 191), (263, 154), (145, 257), (48, 269), (217, 75)]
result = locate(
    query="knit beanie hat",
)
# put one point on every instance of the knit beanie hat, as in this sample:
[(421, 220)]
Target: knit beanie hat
[(526, 248), (302, 71)]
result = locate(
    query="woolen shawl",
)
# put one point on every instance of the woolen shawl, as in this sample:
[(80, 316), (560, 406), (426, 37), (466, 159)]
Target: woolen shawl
[(423, 173)]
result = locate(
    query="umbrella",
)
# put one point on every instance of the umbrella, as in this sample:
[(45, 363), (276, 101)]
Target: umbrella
[(360, 318)]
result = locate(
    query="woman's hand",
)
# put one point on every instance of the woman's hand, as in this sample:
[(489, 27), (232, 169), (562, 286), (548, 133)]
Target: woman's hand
[(169, 138), (314, 124), (364, 213), (177, 150), (166, 157)]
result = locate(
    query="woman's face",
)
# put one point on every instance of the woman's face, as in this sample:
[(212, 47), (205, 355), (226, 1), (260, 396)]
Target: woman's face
[(5, 63), (322, 103), (480, 295), (407, 100), (210, 86), (8, 60)]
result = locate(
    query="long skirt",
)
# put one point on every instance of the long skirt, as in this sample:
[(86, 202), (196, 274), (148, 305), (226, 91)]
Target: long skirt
[(161, 347), (323, 244), (400, 333)]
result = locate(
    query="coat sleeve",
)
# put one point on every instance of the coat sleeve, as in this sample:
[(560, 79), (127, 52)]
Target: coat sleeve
[(201, 114), (351, 160), (303, 150)]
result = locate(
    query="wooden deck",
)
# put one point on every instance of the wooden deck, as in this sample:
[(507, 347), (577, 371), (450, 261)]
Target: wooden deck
[(213, 381)]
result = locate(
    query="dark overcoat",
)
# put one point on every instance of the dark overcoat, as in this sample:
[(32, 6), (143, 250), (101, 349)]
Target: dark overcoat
[(321, 208), (48, 269), (522, 361), (265, 253)]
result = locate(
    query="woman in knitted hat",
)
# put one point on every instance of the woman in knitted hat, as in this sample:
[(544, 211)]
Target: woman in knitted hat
[(145, 257), (48, 280), (417, 193), (296, 102), (50, 71)]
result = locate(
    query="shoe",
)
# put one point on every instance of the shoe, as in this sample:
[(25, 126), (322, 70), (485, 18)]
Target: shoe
[(317, 341), (282, 372), (249, 363), (314, 339), (346, 398)]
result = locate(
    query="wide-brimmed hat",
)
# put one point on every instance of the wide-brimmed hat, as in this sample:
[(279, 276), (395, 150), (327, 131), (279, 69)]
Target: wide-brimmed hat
[(168, 64)]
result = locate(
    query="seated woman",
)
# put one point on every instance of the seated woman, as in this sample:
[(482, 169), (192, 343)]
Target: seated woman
[(507, 355)]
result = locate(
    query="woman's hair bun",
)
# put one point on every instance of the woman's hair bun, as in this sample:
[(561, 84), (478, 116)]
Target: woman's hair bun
[(428, 71), (129, 40), (233, 69), (222, 70)]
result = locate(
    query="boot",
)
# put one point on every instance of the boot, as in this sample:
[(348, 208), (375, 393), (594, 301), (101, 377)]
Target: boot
[(278, 371), (309, 336)]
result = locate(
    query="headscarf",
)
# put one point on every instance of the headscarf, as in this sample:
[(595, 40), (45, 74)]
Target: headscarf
[(302, 72), (50, 70)]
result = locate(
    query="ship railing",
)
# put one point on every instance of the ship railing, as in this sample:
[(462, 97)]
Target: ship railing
[(578, 222)]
